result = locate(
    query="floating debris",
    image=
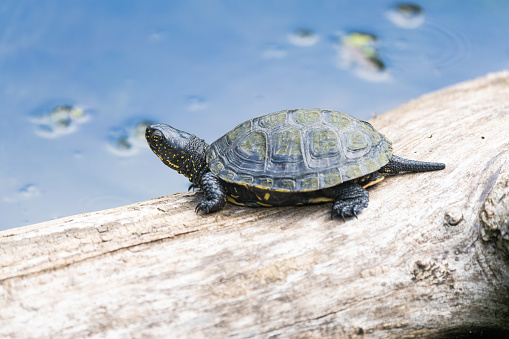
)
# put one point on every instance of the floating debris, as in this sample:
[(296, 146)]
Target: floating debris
[(127, 141), (303, 38), (59, 121), (358, 51), (406, 15)]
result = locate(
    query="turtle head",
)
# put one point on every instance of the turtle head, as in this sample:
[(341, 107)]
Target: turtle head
[(168, 143), (179, 150)]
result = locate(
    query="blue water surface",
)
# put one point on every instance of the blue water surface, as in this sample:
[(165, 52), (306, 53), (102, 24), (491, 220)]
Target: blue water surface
[(79, 80)]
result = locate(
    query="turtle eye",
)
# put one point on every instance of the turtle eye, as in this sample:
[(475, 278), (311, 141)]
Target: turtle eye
[(155, 138)]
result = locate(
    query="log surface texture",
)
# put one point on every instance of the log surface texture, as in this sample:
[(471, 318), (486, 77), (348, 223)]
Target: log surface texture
[(429, 257)]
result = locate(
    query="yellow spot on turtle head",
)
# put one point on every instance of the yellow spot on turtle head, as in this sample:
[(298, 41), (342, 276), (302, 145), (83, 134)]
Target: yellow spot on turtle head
[(266, 196)]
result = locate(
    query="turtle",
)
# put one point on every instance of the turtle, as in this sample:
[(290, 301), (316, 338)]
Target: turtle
[(290, 157)]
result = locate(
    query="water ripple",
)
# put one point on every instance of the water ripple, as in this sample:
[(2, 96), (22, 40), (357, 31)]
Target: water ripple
[(448, 45)]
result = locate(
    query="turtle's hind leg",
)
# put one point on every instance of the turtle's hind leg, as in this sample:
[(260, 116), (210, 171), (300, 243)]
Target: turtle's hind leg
[(398, 165), (350, 199)]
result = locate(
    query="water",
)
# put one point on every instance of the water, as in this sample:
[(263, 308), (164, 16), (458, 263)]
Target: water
[(80, 80)]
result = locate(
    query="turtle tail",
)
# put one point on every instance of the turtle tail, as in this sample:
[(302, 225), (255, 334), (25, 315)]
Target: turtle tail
[(398, 165)]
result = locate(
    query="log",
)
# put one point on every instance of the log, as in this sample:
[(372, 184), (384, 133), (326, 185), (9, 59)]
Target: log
[(429, 257)]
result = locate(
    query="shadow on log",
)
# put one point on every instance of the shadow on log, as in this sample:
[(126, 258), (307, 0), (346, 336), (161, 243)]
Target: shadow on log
[(428, 258)]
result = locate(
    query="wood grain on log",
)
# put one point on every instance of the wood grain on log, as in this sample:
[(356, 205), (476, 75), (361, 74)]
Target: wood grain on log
[(428, 257)]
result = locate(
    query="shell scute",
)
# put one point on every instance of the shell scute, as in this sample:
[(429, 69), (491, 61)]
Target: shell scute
[(324, 143), (287, 145), (342, 121), (306, 117), (253, 147), (272, 120), (356, 141)]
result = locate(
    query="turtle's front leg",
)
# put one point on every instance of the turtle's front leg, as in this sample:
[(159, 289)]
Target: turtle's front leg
[(215, 194), (350, 199)]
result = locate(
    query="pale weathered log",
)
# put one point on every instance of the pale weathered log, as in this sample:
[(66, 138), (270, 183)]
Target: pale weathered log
[(428, 257)]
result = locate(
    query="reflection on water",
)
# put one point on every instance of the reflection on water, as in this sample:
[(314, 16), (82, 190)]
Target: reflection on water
[(59, 121), (203, 67), (303, 38), (358, 51), (127, 141), (29, 191), (406, 15), (25, 192)]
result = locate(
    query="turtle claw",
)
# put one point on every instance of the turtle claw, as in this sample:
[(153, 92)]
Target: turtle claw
[(337, 211), (346, 209), (340, 210), (202, 207), (351, 198)]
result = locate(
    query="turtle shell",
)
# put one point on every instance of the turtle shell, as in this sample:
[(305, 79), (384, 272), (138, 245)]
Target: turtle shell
[(298, 151)]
